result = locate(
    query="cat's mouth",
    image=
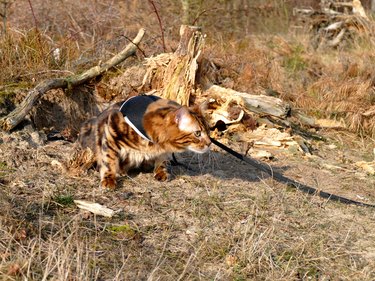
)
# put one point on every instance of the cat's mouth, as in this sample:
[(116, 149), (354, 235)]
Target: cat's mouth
[(205, 149)]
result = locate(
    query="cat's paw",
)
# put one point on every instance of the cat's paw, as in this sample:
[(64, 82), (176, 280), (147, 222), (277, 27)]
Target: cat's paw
[(162, 175), (108, 183)]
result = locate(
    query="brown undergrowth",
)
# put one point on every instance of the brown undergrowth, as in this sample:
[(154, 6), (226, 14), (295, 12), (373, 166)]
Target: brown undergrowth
[(337, 84)]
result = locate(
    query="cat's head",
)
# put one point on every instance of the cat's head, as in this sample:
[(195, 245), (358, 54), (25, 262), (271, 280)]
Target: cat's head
[(194, 132), (176, 128)]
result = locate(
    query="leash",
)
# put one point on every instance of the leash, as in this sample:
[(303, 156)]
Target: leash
[(292, 183)]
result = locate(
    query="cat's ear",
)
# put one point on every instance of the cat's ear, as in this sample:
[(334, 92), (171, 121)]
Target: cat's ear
[(183, 118), (199, 108)]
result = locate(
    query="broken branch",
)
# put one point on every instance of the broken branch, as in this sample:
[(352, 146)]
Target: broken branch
[(10, 121)]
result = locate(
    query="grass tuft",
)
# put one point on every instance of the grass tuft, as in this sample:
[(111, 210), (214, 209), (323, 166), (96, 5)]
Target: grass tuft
[(294, 62), (64, 200)]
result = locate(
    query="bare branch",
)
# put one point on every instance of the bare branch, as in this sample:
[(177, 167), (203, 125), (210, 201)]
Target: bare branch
[(8, 122)]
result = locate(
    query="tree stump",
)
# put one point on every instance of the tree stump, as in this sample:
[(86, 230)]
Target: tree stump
[(173, 75)]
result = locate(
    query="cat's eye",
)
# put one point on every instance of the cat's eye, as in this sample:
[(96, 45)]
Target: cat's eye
[(197, 134)]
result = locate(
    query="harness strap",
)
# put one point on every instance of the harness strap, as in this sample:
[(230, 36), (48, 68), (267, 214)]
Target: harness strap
[(133, 110)]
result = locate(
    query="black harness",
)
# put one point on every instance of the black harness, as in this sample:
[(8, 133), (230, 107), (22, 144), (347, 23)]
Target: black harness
[(133, 110)]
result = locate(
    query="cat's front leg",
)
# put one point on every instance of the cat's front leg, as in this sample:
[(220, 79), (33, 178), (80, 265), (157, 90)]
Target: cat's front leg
[(108, 166), (110, 150), (160, 169)]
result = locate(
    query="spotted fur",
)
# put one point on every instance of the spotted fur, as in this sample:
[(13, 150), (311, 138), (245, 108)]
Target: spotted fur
[(118, 148)]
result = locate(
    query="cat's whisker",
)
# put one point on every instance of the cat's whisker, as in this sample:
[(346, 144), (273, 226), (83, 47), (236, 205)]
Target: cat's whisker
[(213, 160), (204, 161), (200, 163), (191, 161)]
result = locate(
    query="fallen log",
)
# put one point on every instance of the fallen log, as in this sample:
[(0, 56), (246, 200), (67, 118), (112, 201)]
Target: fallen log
[(10, 121), (260, 104)]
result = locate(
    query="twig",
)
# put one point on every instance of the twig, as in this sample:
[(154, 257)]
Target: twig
[(32, 11), (37, 31), (160, 23), (202, 13), (127, 38), (198, 16)]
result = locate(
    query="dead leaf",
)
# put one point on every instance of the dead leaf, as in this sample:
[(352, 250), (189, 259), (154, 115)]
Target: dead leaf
[(230, 260), (368, 167), (14, 269), (21, 234)]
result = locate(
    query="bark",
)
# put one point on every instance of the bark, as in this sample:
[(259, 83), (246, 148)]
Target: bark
[(95, 208), (10, 121), (254, 103), (179, 75)]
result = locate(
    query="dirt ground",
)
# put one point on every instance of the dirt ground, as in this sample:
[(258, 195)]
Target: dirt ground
[(218, 219)]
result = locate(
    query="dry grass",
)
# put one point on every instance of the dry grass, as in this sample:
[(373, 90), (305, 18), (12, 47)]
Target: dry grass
[(29, 56), (213, 223), (222, 221), (336, 84), (63, 254)]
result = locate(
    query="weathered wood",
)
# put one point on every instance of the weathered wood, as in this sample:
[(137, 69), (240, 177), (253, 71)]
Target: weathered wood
[(10, 121), (179, 75), (254, 103), (95, 208)]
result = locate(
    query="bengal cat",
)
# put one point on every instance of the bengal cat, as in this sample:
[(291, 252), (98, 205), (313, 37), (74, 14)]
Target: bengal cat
[(143, 130)]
